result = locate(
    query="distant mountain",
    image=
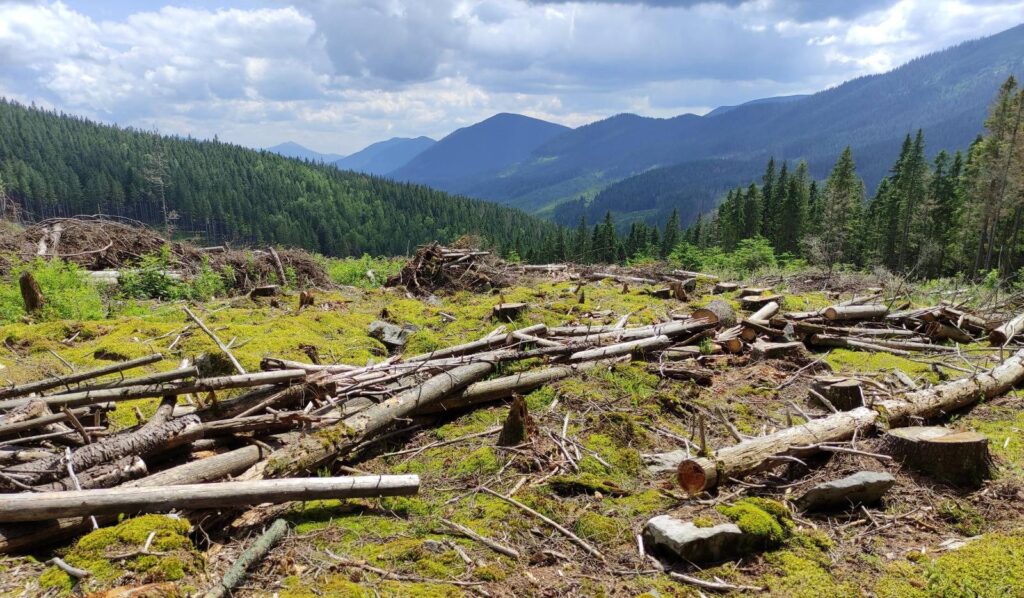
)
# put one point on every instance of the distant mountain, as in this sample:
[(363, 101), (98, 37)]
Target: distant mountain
[(384, 156), (478, 151), (774, 100), (687, 161), (290, 149)]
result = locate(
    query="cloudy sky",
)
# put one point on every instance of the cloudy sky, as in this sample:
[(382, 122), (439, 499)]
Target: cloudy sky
[(336, 75)]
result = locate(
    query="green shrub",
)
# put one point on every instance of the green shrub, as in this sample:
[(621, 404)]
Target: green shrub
[(68, 292), (353, 271), (151, 279)]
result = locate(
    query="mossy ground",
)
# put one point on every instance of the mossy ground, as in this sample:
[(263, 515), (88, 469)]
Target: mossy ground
[(614, 415)]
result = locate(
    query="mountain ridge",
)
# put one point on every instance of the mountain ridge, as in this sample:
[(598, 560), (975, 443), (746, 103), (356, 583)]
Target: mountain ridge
[(384, 156)]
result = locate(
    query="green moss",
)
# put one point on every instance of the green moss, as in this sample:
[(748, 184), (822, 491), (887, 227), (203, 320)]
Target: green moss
[(584, 483), (482, 461), (599, 528), (93, 551), (965, 518), (761, 517), (490, 573), (625, 461), (704, 521), (801, 576), (844, 360), (1004, 428), (648, 502), (990, 566)]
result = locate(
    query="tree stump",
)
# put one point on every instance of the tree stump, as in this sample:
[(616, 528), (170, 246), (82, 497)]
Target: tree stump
[(951, 456), (766, 350), (717, 311), (518, 425), (269, 290), (30, 293), (724, 287), (508, 311), (756, 302), (306, 299), (844, 393)]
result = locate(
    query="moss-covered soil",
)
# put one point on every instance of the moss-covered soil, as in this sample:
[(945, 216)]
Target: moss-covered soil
[(908, 546)]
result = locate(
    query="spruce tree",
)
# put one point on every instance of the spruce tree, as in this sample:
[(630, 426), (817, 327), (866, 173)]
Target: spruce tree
[(841, 208), (671, 236)]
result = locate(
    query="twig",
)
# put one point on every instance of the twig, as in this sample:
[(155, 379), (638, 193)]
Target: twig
[(575, 539), (66, 568), (216, 340), (715, 586), (493, 545), (76, 424)]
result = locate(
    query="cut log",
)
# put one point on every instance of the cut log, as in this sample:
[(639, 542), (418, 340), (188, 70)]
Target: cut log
[(47, 384), (758, 454), (943, 331), (507, 312), (504, 387), (1005, 333), (518, 425), (765, 313), (792, 350), (749, 291), (702, 376), (31, 295), (758, 301), (270, 290), (473, 347), (844, 393), (855, 312), (717, 312), (730, 340), (106, 475), (958, 458), (42, 506), (644, 345), (824, 340)]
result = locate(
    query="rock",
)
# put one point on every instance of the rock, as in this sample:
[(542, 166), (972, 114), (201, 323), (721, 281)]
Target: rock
[(394, 337), (662, 462), (863, 487), (693, 544)]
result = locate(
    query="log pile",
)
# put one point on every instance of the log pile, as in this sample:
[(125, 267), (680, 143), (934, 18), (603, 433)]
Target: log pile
[(435, 268)]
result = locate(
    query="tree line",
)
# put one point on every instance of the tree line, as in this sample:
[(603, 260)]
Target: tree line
[(959, 213), (57, 165)]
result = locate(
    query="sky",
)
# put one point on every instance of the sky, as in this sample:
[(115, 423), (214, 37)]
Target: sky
[(337, 75)]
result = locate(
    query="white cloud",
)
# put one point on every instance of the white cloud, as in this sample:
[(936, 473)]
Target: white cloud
[(339, 74)]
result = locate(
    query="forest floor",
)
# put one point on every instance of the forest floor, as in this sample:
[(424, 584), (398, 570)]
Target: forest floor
[(925, 539)]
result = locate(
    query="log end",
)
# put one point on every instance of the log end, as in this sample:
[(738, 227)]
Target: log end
[(696, 475), (831, 313)]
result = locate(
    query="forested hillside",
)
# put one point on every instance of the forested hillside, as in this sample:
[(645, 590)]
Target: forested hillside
[(57, 165), (946, 93)]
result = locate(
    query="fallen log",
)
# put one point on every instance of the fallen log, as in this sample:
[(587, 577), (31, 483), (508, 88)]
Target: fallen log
[(757, 454), (717, 312), (309, 452), (252, 555), (702, 376), (127, 393), (643, 345), (67, 381), (473, 347), (105, 475), (1005, 333), (855, 312), (42, 506)]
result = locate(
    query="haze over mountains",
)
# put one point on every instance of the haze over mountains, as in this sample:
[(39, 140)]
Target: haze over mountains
[(290, 149), (384, 156), (641, 168)]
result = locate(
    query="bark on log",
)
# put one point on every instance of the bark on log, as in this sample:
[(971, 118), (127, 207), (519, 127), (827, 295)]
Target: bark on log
[(959, 458), (106, 475), (945, 331), (278, 266), (702, 376), (717, 312), (756, 454), (142, 442), (1005, 333), (643, 345), (855, 312), (67, 381), (763, 315), (473, 347), (309, 452), (42, 506), (763, 350), (75, 399), (31, 295)]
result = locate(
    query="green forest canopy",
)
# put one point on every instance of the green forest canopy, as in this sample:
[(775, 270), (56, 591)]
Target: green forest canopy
[(53, 164)]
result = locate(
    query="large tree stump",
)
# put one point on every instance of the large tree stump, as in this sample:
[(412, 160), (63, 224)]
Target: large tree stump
[(508, 311), (717, 312), (518, 425), (958, 458), (30, 292)]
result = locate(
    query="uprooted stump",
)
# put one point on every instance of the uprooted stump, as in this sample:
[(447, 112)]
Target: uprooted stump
[(960, 458)]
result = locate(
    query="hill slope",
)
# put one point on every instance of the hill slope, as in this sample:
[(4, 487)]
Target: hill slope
[(946, 93), (478, 151), (384, 156), (290, 149), (57, 165)]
